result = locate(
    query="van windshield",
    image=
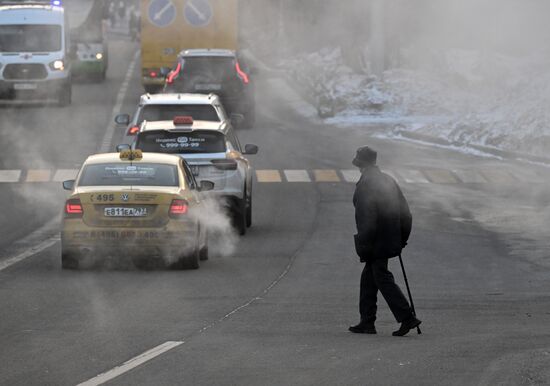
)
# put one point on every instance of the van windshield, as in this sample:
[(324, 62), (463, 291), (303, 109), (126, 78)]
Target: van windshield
[(30, 38)]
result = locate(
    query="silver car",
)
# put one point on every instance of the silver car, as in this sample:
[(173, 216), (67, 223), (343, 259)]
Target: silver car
[(161, 107), (213, 152)]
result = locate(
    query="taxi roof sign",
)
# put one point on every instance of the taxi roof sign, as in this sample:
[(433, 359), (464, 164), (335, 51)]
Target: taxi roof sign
[(131, 155), (183, 120)]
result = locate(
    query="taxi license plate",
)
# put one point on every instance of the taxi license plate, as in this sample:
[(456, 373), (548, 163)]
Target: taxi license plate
[(125, 212), (24, 86), (208, 86)]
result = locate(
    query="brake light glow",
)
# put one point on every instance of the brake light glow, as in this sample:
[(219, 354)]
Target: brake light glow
[(178, 208), (241, 73), (153, 74), (172, 75), (183, 120), (73, 208), (133, 130)]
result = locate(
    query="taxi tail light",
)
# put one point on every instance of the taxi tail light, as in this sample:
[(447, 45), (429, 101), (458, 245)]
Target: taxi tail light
[(243, 75), (224, 164), (133, 130), (178, 208), (73, 208), (153, 74)]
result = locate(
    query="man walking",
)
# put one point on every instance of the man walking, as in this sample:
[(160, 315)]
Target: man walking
[(384, 224)]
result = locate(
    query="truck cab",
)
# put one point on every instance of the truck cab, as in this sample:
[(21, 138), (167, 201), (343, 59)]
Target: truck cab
[(34, 51)]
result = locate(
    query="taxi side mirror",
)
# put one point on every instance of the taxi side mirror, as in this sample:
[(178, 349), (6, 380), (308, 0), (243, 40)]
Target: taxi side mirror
[(122, 119), (68, 185), (205, 186), (123, 146), (250, 149)]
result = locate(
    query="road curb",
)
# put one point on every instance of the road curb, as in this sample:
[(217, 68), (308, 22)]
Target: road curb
[(511, 155)]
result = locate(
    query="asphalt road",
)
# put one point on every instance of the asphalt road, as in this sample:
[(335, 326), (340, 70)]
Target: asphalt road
[(273, 307)]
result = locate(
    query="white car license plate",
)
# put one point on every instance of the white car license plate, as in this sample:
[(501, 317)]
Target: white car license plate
[(24, 86), (208, 86), (125, 212)]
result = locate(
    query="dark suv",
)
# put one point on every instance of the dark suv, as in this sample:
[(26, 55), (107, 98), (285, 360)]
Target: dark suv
[(217, 71)]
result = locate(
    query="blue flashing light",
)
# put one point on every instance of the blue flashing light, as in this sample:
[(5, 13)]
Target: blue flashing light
[(56, 3)]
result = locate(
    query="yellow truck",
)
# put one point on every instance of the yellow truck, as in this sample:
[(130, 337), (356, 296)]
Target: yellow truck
[(170, 26)]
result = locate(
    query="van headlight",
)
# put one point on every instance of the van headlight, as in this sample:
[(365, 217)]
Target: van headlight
[(99, 56), (57, 65)]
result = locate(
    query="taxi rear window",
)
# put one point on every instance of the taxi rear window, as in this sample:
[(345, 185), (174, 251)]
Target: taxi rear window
[(123, 174), (168, 112), (181, 143)]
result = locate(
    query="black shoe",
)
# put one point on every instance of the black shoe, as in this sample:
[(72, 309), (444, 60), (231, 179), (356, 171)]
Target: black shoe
[(363, 328), (406, 326)]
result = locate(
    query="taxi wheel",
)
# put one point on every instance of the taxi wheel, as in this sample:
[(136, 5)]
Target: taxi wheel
[(68, 261), (192, 262), (204, 253), (249, 212), (239, 216)]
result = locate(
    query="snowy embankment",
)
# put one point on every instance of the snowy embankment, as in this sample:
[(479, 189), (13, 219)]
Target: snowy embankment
[(466, 97)]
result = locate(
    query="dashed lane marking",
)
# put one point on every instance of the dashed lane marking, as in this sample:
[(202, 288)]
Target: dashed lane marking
[(10, 175), (440, 176), (326, 175), (65, 174), (351, 175), (297, 176), (132, 363), (469, 176), (38, 175), (268, 176), (413, 176), (109, 133)]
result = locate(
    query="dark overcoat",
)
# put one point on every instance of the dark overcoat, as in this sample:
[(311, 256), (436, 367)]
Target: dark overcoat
[(382, 216)]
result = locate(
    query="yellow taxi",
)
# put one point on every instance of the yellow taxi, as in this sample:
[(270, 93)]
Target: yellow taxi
[(140, 207)]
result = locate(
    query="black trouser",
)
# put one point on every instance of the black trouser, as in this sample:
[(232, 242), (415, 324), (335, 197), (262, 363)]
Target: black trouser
[(376, 277)]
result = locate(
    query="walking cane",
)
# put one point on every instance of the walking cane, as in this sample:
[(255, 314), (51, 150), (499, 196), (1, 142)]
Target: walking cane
[(409, 291)]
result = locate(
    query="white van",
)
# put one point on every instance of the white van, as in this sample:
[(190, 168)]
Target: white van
[(34, 51)]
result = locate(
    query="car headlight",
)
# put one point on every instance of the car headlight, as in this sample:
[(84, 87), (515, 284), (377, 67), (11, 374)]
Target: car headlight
[(99, 56), (58, 65)]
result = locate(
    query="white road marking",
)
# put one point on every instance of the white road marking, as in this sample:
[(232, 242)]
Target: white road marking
[(108, 137), (10, 175), (297, 176), (8, 261), (413, 177), (65, 174), (351, 175), (131, 364)]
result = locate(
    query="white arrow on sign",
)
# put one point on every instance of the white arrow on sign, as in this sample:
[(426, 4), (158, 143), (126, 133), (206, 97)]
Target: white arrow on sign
[(201, 15), (159, 14)]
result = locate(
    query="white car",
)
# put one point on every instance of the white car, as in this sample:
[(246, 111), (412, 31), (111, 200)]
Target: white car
[(161, 107), (213, 152)]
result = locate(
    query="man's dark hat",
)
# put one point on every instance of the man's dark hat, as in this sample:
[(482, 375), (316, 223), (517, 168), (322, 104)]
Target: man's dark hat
[(365, 156)]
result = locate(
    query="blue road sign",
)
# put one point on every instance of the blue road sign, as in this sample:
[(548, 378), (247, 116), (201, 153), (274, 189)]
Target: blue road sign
[(198, 13), (161, 13)]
